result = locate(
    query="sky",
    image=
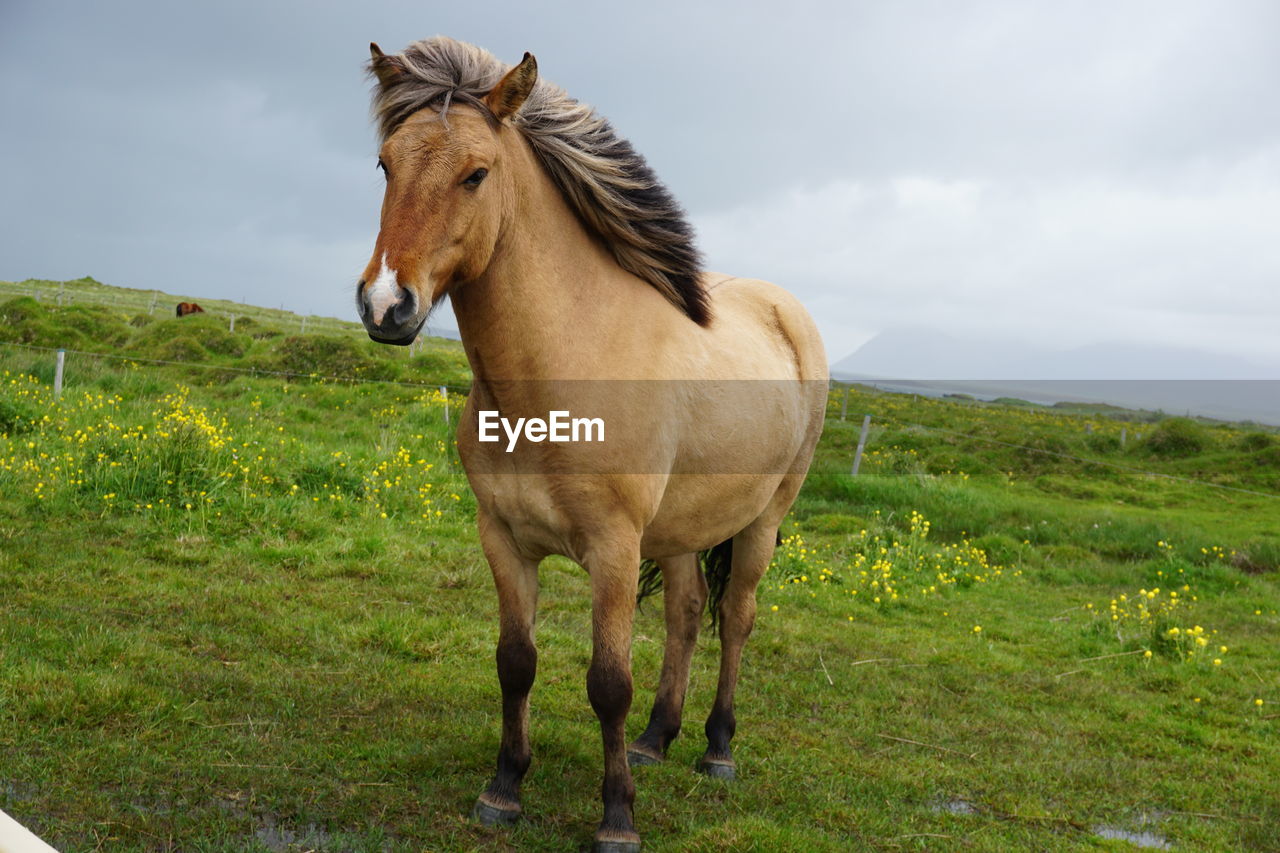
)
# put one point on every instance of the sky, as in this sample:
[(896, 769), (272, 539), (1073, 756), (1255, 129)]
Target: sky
[(1067, 174)]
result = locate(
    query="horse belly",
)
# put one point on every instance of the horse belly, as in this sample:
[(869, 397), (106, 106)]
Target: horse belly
[(699, 511)]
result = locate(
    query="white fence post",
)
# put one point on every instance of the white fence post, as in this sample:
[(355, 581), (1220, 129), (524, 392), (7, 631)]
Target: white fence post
[(1124, 433), (444, 392), (304, 325), (154, 297), (16, 838), (233, 323), (862, 442), (844, 406), (57, 373)]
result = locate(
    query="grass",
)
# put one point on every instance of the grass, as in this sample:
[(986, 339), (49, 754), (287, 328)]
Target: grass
[(277, 632)]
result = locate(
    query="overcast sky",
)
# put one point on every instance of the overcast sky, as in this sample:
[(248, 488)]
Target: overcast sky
[(1064, 173)]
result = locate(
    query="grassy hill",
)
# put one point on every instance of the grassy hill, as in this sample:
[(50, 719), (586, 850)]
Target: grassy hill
[(242, 611)]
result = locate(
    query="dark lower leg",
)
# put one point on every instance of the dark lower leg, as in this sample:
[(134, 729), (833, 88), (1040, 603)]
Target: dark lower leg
[(752, 550), (517, 666), (516, 580), (609, 689), (614, 571), (721, 723)]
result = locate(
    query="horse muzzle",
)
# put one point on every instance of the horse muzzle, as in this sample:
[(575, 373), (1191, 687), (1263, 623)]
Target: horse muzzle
[(391, 314)]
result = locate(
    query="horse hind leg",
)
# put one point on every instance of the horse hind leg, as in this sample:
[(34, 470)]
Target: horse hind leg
[(684, 594), (752, 551)]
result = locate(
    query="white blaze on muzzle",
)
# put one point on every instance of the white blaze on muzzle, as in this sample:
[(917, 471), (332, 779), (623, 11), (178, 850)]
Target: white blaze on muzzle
[(383, 293)]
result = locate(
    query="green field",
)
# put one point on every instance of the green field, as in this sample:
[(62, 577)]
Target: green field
[(242, 607)]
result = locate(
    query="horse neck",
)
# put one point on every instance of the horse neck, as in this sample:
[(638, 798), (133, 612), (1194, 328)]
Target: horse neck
[(553, 298)]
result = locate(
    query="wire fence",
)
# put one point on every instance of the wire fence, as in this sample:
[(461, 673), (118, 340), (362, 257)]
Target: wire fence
[(868, 417), (248, 371)]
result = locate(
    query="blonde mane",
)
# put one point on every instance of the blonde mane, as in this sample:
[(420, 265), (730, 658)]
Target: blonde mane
[(605, 181)]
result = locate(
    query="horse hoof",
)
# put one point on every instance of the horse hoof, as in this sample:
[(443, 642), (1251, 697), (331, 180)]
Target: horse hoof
[(488, 815), (636, 758), (616, 847), (718, 770)]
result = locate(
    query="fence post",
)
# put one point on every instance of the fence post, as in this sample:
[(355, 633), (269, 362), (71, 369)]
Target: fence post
[(57, 374), (154, 297), (304, 325), (1124, 433), (844, 406), (862, 442), (444, 392), (233, 323)]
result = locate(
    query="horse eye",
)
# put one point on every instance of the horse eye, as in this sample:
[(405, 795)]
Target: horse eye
[(383, 167), (474, 179)]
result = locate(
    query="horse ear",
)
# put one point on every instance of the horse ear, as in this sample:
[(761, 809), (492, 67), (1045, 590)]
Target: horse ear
[(509, 95), (384, 67)]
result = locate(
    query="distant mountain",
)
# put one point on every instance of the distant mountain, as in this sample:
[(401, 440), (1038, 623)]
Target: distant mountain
[(442, 332), (1170, 379), (918, 353)]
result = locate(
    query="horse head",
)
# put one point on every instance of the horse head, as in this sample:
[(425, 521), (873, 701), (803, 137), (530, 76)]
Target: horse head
[(446, 196)]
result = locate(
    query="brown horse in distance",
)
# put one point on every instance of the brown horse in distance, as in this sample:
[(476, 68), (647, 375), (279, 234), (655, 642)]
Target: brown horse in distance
[(576, 286), (185, 308)]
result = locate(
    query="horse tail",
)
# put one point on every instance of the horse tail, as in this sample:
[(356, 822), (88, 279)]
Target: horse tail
[(650, 580), (715, 563)]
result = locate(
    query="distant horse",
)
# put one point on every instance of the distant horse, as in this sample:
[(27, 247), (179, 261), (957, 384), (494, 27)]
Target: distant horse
[(185, 308), (575, 282)]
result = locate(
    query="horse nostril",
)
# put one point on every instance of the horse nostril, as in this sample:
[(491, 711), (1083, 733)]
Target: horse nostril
[(406, 309), (362, 298)]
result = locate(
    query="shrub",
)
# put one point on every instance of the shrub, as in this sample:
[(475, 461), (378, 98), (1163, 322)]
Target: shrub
[(326, 355), (1177, 437), (15, 417), (181, 348), (1255, 441), (1257, 556)]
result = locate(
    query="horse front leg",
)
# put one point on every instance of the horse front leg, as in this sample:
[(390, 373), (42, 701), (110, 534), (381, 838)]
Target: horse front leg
[(614, 573), (684, 594), (516, 579)]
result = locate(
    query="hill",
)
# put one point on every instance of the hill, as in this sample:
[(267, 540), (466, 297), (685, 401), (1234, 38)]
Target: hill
[(93, 318)]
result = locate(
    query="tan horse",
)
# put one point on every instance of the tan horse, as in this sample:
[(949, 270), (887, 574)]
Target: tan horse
[(576, 287)]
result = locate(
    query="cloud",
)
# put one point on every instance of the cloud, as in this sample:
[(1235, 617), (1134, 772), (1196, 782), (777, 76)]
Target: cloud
[(1190, 263), (1059, 171)]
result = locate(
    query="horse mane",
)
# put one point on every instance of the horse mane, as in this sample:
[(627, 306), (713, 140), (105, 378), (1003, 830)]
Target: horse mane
[(605, 181)]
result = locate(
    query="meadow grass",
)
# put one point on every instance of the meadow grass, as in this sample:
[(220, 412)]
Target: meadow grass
[(239, 613)]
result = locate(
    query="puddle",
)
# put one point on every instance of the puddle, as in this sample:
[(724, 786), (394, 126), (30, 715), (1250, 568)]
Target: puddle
[(280, 839), (12, 792), (1141, 838), (954, 807), (1148, 840)]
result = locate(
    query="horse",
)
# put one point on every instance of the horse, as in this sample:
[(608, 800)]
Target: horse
[(185, 308), (576, 284)]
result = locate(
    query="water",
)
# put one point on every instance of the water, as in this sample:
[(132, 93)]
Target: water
[(281, 839), (956, 806), (1149, 840)]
